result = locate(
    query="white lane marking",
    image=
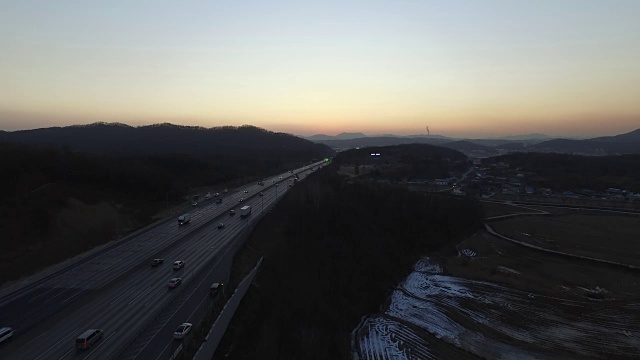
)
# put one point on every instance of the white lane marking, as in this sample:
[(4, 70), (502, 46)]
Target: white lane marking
[(134, 299), (153, 298), (163, 325), (125, 293), (74, 295), (65, 354), (162, 352), (44, 293), (52, 346), (62, 292), (101, 343), (197, 307)]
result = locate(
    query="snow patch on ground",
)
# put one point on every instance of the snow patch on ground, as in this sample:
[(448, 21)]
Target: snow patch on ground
[(425, 264), (508, 270), (469, 252), (477, 316)]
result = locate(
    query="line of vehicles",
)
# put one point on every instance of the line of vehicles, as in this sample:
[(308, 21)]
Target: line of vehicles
[(89, 337), (244, 212)]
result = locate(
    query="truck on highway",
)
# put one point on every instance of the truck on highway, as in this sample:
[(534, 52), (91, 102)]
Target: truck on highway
[(183, 219), (245, 211)]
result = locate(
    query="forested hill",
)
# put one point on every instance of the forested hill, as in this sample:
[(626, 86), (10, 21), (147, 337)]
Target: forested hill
[(171, 139), (575, 172)]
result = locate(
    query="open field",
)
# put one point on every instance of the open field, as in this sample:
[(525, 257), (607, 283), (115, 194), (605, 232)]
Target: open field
[(498, 299), (492, 209), (593, 234)]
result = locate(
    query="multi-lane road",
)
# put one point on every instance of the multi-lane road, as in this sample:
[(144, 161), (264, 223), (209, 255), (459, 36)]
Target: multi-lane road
[(116, 289)]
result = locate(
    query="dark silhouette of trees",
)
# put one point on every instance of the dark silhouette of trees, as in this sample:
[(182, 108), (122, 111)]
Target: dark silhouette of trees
[(134, 170), (563, 172), (341, 249)]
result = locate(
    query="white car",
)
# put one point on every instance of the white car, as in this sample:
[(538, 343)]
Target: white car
[(195, 203), (177, 265), (182, 330)]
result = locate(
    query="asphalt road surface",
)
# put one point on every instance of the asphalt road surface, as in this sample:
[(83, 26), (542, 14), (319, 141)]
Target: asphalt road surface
[(118, 291)]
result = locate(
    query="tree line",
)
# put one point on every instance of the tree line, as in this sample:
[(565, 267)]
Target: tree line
[(333, 252)]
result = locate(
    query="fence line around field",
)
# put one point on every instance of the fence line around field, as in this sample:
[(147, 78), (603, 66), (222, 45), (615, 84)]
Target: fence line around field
[(219, 327)]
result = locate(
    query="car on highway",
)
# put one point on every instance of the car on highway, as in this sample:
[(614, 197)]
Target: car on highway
[(208, 196), (195, 203), (280, 177), (219, 201), (215, 289), (6, 334), (246, 191), (216, 194), (88, 338), (182, 330), (177, 265), (261, 193), (221, 225), (241, 200), (174, 282), (156, 262), (232, 212)]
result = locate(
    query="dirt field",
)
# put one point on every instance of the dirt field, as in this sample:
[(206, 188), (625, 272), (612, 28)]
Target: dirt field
[(498, 299), (593, 234)]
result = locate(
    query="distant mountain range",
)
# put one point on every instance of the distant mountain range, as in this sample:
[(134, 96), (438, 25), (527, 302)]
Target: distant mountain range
[(341, 136), (168, 138), (628, 143), (358, 135)]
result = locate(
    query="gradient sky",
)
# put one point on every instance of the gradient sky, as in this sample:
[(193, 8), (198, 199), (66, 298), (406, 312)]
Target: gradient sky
[(464, 68)]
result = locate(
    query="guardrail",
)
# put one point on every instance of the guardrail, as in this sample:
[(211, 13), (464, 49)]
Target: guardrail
[(233, 246), (219, 327)]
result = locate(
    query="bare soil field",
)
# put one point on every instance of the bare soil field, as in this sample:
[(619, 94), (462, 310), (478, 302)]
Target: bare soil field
[(497, 299), (492, 209), (593, 234)]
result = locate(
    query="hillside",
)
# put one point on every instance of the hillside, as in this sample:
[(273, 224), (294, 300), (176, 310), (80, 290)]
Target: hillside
[(171, 139), (574, 172), (399, 162), (333, 251), (57, 201), (628, 143)]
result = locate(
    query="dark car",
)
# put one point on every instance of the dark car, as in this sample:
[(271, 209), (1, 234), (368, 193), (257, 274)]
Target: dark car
[(88, 338), (174, 282), (156, 262), (261, 194), (221, 225), (215, 289), (232, 212), (219, 200)]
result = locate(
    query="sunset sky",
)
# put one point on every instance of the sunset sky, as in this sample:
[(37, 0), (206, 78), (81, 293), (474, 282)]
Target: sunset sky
[(464, 68)]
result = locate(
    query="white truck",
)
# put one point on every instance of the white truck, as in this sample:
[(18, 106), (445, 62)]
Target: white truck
[(183, 219), (245, 211)]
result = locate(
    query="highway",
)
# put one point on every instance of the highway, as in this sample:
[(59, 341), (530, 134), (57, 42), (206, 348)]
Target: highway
[(118, 291)]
